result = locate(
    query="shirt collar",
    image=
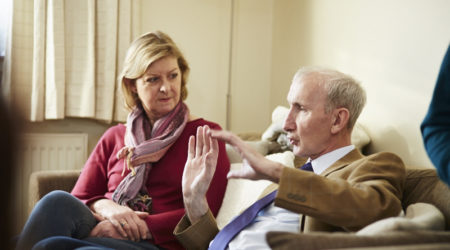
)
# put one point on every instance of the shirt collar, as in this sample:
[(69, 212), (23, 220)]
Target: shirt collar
[(321, 163)]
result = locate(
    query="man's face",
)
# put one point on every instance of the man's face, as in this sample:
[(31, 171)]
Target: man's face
[(307, 124)]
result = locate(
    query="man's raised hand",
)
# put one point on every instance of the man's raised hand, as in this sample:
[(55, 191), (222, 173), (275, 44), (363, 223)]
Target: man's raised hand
[(199, 169)]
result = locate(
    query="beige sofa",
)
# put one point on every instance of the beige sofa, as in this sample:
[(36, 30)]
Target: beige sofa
[(422, 186)]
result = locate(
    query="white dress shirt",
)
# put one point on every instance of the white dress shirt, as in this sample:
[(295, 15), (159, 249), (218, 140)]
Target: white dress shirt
[(274, 218)]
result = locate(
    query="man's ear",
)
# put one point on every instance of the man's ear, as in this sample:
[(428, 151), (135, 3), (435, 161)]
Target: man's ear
[(340, 120)]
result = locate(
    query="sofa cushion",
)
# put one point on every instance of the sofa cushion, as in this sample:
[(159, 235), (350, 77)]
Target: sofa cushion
[(423, 185), (322, 240)]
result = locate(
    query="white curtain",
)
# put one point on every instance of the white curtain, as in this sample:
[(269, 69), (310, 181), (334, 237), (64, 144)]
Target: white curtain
[(64, 57)]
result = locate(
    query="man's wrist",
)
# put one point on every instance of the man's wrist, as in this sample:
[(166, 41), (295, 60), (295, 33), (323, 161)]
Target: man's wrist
[(195, 208), (276, 172)]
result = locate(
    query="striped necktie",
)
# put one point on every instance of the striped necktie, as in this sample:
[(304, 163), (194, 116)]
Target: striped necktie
[(245, 218)]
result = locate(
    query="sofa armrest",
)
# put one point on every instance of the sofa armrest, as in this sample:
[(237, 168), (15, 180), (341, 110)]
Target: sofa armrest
[(43, 182), (423, 185), (337, 240)]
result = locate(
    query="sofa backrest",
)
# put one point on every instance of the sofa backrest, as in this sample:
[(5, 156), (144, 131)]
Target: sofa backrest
[(423, 185), (390, 135)]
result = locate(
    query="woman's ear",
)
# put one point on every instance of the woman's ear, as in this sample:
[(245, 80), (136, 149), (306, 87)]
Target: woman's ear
[(340, 120), (131, 84)]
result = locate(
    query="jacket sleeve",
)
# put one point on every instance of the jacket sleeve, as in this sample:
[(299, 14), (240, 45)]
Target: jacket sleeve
[(198, 235)]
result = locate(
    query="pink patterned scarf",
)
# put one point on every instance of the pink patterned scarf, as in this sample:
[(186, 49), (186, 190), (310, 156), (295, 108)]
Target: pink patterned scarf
[(141, 153)]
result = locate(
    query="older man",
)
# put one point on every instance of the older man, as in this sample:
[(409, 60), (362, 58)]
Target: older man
[(343, 190)]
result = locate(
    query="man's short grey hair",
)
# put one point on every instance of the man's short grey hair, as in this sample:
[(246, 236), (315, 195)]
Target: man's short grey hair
[(343, 90)]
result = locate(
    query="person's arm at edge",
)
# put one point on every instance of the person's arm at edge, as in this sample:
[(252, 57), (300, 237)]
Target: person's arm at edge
[(435, 127)]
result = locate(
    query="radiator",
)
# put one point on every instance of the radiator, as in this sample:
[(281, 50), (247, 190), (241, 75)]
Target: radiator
[(45, 151)]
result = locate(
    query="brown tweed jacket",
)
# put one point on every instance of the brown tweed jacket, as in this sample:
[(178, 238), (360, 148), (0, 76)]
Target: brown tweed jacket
[(352, 193)]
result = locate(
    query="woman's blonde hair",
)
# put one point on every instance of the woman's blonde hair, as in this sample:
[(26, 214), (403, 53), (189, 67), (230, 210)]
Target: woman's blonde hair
[(142, 52)]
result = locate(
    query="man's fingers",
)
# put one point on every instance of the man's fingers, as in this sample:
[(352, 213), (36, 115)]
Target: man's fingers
[(214, 145), (191, 147), (227, 137), (220, 134), (244, 150), (206, 141), (199, 142), (234, 175)]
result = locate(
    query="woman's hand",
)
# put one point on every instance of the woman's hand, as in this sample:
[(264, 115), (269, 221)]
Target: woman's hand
[(128, 223), (106, 229), (203, 152)]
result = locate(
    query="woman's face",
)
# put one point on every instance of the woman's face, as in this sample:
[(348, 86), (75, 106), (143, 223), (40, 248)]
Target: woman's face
[(159, 87)]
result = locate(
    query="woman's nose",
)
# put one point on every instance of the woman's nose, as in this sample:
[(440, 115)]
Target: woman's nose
[(164, 86)]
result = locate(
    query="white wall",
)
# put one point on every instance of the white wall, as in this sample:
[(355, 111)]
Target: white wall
[(393, 47), (201, 28), (211, 50), (251, 64)]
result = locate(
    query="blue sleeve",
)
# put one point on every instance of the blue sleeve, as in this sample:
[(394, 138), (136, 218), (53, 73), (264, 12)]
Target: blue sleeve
[(435, 127)]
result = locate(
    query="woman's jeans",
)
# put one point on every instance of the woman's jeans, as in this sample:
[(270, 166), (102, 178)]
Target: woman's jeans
[(61, 221)]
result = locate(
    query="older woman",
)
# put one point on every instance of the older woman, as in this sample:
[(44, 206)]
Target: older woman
[(130, 188)]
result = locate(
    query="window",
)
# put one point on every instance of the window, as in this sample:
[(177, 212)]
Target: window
[(5, 16)]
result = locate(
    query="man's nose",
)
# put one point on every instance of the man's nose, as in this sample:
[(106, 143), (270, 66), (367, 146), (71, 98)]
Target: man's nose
[(288, 124)]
